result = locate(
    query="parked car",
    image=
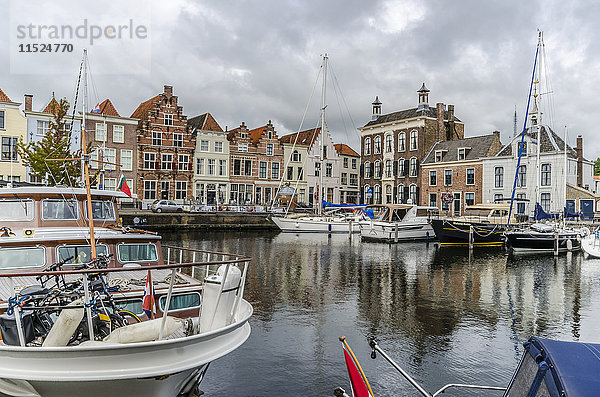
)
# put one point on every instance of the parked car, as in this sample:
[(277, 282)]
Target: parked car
[(166, 206)]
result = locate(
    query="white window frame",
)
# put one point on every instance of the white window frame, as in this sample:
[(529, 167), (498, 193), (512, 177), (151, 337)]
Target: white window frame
[(118, 136), (126, 160)]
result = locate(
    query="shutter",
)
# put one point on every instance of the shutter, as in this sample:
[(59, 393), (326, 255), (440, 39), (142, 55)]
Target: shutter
[(406, 165), (395, 168), (157, 165), (395, 199), (405, 196), (381, 169), (362, 170), (417, 167), (418, 199), (371, 169)]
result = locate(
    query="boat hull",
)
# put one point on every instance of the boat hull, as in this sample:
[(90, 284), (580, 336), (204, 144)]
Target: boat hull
[(453, 233), (389, 232), (591, 246), (157, 368), (315, 225), (531, 241)]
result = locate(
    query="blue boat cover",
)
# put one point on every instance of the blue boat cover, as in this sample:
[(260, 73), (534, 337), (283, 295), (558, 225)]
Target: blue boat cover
[(540, 214), (327, 204), (575, 366)]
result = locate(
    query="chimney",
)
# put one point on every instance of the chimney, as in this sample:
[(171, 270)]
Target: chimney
[(423, 99), (451, 123), (497, 135), (168, 90), (28, 102), (579, 150), (441, 128), (376, 108)]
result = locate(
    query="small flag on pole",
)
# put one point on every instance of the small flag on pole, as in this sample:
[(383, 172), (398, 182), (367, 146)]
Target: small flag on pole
[(148, 304), (123, 186), (96, 108)]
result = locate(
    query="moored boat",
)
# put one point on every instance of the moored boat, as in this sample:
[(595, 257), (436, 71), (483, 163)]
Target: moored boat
[(398, 222)]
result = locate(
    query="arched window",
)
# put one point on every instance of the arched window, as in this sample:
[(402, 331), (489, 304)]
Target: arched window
[(388, 168), (368, 197), (377, 145), (367, 146), (413, 166), (389, 143), (413, 140), (388, 194), (377, 194), (401, 169), (367, 170), (377, 170), (400, 194), (296, 156), (401, 142), (413, 194)]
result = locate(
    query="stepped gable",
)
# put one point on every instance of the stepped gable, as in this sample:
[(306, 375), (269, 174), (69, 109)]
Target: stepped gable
[(306, 137), (342, 148), (4, 97), (550, 142), (204, 122), (479, 147), (407, 114)]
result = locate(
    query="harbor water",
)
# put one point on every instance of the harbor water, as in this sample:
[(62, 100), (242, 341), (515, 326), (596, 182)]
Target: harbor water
[(443, 315)]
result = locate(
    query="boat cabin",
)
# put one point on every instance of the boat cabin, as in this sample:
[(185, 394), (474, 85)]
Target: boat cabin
[(398, 212), (489, 213)]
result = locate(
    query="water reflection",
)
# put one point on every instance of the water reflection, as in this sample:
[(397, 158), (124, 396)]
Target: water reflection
[(445, 314)]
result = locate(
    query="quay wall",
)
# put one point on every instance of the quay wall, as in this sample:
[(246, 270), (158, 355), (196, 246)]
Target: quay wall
[(198, 221)]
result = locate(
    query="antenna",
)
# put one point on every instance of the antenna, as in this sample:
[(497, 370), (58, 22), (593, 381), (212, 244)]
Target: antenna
[(515, 122)]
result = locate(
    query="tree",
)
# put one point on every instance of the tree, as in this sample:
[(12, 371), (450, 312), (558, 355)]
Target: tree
[(597, 166), (56, 144)]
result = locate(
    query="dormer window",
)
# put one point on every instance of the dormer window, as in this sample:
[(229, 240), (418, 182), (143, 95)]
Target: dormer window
[(523, 148), (462, 153), (438, 155)]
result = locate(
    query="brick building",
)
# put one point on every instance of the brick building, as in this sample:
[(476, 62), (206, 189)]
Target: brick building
[(394, 144), (113, 139), (256, 158), (165, 149), (456, 167)]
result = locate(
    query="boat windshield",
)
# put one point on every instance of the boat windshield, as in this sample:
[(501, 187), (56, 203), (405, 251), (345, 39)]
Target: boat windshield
[(13, 258), (16, 210), (137, 252), (80, 253), (102, 210), (399, 214), (59, 209)]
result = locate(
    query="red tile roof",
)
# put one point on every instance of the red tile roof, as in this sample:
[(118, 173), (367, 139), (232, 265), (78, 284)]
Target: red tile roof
[(256, 133), (142, 110), (306, 137), (107, 109), (52, 106), (4, 97), (342, 148)]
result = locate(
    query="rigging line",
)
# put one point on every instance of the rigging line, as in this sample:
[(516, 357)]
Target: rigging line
[(94, 88), (337, 98), (548, 89), (520, 147), (287, 161), (345, 103)]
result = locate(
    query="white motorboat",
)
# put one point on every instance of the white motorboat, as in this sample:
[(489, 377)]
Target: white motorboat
[(591, 245), (334, 223), (398, 222)]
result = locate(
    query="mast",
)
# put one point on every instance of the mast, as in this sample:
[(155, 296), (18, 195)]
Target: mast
[(566, 168), (538, 120), (323, 106), (85, 162)]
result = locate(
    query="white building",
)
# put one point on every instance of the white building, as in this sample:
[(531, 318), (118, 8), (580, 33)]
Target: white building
[(211, 163), (499, 173)]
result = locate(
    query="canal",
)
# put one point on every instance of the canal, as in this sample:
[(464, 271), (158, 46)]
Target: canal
[(442, 315)]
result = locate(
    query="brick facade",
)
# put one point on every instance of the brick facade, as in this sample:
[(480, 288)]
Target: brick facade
[(165, 149)]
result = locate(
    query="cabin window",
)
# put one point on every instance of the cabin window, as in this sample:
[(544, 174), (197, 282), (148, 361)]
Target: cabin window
[(137, 252), (16, 210), (80, 253), (101, 210), (12, 258), (134, 306), (58, 209), (180, 302)]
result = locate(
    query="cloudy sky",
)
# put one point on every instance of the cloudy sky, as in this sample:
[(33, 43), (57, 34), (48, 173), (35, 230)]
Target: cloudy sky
[(256, 61)]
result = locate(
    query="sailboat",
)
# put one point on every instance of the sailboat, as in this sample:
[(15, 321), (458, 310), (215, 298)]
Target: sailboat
[(335, 220), (548, 233), (193, 322)]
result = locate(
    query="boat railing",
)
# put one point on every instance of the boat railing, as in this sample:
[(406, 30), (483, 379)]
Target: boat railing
[(178, 258), (375, 348)]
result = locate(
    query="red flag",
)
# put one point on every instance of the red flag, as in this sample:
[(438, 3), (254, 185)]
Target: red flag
[(359, 389), (148, 304)]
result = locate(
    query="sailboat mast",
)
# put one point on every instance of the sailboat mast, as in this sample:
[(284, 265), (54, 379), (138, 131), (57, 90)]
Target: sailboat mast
[(84, 156), (566, 168), (538, 120), (321, 141)]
